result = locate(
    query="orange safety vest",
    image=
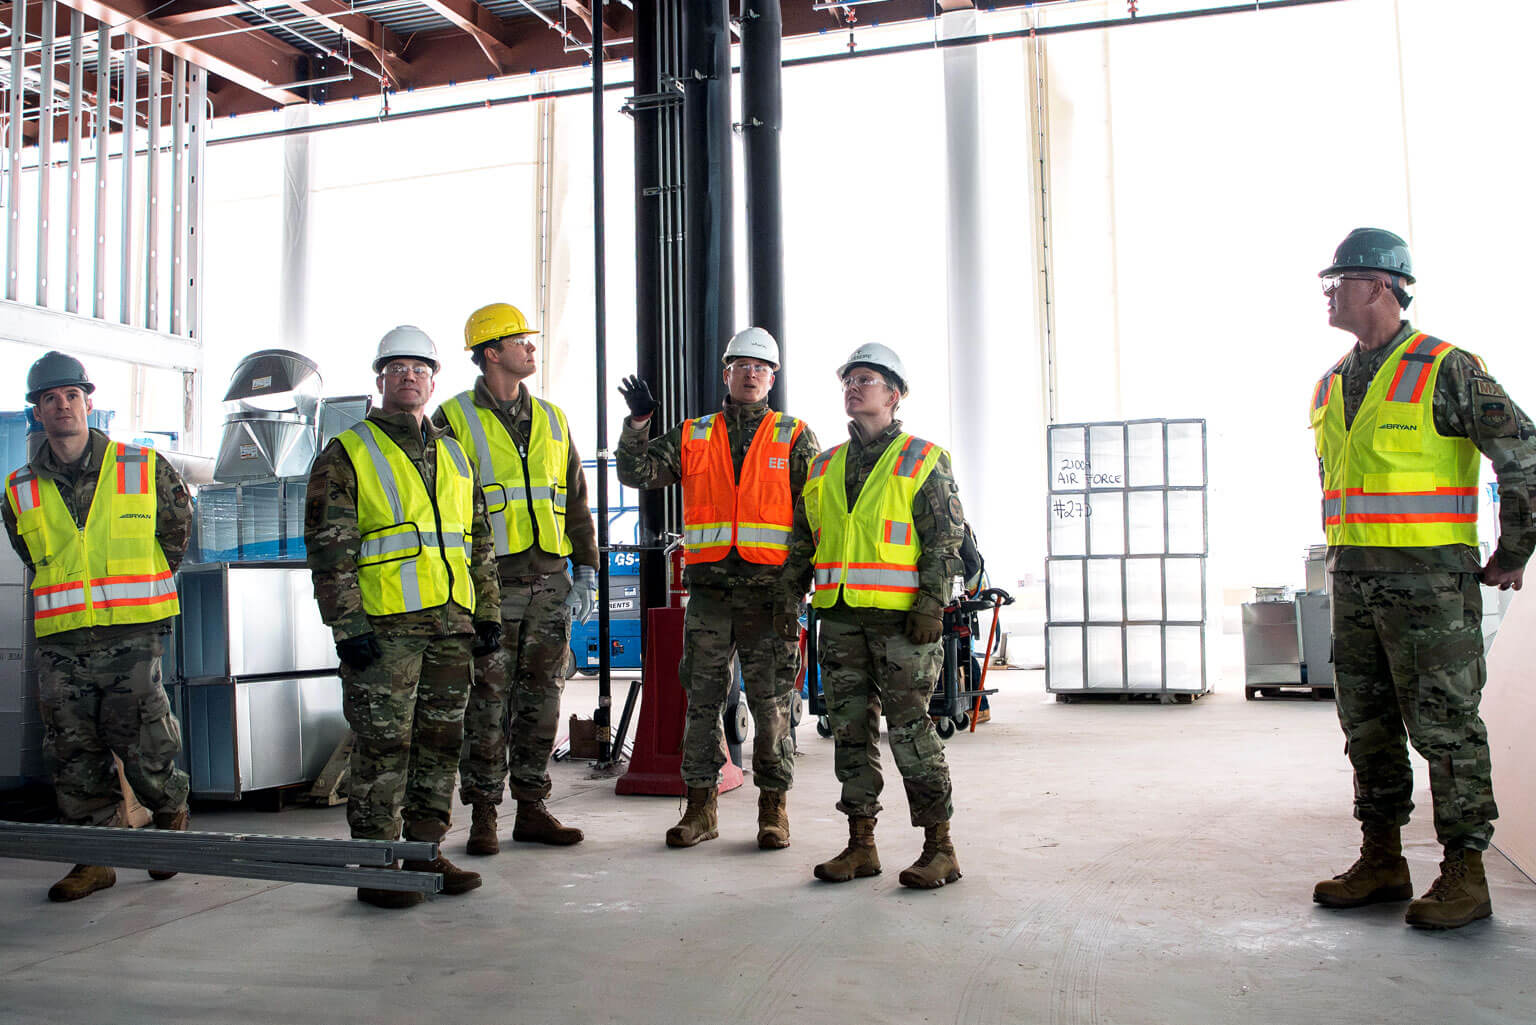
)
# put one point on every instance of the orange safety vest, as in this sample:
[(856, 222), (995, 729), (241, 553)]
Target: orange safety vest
[(754, 516)]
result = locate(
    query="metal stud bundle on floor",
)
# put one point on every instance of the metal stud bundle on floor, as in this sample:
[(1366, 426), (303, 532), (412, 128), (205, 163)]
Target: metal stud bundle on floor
[(293, 859)]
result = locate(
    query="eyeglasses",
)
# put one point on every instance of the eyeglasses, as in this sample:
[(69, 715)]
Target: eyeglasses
[(862, 381), (750, 369), (1331, 281), (408, 370)]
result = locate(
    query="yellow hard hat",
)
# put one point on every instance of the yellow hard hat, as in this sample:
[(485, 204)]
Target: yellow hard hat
[(498, 320)]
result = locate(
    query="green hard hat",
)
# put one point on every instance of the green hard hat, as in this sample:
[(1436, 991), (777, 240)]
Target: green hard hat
[(56, 370), (1372, 249)]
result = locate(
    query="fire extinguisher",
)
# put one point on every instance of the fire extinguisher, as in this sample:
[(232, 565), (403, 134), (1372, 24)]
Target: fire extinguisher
[(677, 591)]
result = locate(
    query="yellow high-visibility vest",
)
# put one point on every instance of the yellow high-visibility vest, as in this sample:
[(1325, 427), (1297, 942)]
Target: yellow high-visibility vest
[(113, 571), (525, 495), (868, 554), (1391, 480), (416, 545)]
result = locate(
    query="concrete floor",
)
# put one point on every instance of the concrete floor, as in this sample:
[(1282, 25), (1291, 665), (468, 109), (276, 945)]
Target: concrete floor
[(1130, 864)]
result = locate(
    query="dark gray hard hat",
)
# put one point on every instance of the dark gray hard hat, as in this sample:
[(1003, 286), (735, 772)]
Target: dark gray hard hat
[(1371, 249), (56, 370)]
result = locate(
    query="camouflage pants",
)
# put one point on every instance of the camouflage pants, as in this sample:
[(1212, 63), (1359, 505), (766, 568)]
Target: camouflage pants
[(513, 713), (866, 669), (717, 625), (101, 702), (1408, 662), (407, 711)]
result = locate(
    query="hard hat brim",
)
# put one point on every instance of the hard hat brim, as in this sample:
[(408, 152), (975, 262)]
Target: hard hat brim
[(726, 361), (383, 361), (1339, 268), (37, 393)]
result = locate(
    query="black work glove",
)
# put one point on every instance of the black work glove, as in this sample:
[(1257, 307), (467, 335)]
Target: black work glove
[(487, 639), (638, 394), (923, 628), (360, 652), (786, 621)]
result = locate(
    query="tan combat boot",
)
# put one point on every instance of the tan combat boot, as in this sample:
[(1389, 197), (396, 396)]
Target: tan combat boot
[(82, 881), (534, 824), (937, 865), (482, 830), (390, 899), (1379, 875), (700, 821), (859, 859), (1458, 896), (456, 880), (175, 820), (772, 819)]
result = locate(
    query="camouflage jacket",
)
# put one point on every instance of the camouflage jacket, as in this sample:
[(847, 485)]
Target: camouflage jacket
[(936, 513), (77, 486), (517, 417), (1468, 403), (657, 462), (331, 541)]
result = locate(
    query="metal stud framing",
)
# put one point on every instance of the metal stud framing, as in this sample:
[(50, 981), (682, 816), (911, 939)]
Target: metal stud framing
[(178, 187), (45, 152), (76, 83), (130, 122), (196, 154), (152, 198), (13, 163), (65, 111), (103, 137)]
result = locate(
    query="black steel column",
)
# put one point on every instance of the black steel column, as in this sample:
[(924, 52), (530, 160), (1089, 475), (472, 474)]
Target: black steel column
[(648, 306), (601, 717), (762, 29), (708, 190)]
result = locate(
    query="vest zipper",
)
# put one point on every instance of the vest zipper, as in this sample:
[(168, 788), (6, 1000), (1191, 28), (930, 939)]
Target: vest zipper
[(533, 521), (437, 517)]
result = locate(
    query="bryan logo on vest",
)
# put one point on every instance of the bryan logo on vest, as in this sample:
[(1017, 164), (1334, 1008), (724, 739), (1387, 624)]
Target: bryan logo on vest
[(1399, 427)]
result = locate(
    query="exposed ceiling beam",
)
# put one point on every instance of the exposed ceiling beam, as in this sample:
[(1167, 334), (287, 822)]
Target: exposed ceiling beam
[(253, 60), (489, 31), (363, 31), (179, 13)]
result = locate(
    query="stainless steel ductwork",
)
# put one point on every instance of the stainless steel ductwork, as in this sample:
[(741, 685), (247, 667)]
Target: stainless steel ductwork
[(270, 415)]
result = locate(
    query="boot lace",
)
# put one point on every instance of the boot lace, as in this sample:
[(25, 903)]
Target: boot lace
[(1453, 872)]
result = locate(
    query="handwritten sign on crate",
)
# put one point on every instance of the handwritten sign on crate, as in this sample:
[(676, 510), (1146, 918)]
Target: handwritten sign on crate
[(1079, 473)]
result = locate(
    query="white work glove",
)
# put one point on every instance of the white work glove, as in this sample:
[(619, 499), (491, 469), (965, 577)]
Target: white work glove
[(582, 601)]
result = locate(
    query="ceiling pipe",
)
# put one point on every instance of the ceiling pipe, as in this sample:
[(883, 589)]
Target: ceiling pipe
[(881, 51)]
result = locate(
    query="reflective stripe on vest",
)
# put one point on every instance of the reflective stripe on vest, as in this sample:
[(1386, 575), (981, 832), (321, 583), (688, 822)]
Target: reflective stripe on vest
[(753, 517), (1391, 480), (504, 473), (404, 564), (867, 556), (111, 572)]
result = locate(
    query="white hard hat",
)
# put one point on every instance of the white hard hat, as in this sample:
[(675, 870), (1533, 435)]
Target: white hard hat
[(407, 341), (754, 343), (881, 357)]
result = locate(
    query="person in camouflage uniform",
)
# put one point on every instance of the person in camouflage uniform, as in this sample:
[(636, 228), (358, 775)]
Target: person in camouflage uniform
[(100, 685), (514, 705), (731, 597), (405, 675), (1407, 611), (881, 620)]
